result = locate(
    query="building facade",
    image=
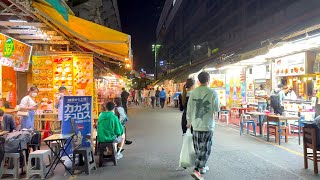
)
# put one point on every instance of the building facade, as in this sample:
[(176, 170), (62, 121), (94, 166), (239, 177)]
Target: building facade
[(104, 12), (190, 31)]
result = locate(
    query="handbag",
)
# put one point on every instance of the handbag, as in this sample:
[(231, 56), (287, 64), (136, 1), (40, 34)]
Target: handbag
[(23, 113)]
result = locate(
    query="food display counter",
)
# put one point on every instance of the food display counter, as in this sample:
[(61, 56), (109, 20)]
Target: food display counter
[(300, 108)]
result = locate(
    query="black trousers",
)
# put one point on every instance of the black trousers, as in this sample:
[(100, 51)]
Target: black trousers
[(162, 101), (152, 101), (184, 123), (124, 105)]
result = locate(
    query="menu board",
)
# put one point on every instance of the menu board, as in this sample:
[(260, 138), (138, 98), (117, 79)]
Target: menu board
[(42, 76), (83, 74), (62, 70), (217, 80), (291, 65), (14, 53)]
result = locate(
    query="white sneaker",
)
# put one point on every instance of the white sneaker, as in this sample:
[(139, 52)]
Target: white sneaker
[(119, 156), (204, 169)]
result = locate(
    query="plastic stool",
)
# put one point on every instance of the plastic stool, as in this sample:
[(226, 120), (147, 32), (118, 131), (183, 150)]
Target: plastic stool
[(226, 115), (111, 146), (12, 158), (42, 171), (248, 125), (89, 161)]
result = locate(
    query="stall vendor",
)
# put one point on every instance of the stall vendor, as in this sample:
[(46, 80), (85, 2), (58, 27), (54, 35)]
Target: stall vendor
[(59, 101), (261, 95), (29, 105), (290, 94)]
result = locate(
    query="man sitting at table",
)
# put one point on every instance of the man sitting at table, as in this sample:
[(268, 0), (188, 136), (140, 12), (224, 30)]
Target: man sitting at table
[(110, 128), (6, 122)]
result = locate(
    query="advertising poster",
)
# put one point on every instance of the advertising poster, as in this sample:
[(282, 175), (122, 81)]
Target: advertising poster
[(83, 74), (217, 81), (235, 87), (14, 53), (42, 76), (77, 109)]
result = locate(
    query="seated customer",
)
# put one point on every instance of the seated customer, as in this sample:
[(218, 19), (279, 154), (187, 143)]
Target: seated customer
[(110, 128), (6, 122)]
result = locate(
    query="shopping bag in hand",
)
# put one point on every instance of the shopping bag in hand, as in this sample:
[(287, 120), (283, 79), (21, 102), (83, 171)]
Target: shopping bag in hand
[(187, 155)]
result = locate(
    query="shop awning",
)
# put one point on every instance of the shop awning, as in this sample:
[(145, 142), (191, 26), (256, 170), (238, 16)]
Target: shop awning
[(97, 38)]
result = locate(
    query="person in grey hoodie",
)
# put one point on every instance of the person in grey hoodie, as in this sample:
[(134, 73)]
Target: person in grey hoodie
[(203, 103)]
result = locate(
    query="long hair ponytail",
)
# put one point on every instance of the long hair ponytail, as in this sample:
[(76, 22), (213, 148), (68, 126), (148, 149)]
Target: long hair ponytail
[(184, 96)]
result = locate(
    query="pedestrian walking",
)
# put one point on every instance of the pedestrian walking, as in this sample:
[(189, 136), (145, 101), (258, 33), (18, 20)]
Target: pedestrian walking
[(169, 97), (146, 97), (153, 97), (137, 97), (183, 101), (157, 97), (162, 96), (142, 95), (203, 103), (124, 98)]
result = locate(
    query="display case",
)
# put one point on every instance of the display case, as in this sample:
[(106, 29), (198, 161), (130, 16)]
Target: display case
[(300, 108)]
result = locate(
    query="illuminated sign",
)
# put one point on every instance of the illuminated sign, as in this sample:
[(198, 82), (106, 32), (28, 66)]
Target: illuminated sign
[(14, 53)]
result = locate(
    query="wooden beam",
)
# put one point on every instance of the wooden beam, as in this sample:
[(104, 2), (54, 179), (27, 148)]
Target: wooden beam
[(13, 14), (8, 8), (14, 24), (37, 37), (46, 42), (24, 31)]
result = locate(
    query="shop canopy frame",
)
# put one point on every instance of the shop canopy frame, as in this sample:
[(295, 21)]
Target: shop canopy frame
[(91, 36)]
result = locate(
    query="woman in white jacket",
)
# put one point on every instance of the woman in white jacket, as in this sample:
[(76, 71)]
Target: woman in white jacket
[(121, 114)]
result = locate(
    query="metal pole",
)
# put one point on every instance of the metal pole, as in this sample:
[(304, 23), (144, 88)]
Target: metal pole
[(155, 62)]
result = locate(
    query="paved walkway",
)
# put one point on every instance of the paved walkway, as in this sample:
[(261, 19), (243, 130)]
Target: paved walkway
[(154, 154)]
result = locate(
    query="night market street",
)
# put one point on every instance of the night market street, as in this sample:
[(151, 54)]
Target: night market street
[(157, 140)]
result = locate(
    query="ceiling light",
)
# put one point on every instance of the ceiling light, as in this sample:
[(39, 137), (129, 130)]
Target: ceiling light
[(17, 20)]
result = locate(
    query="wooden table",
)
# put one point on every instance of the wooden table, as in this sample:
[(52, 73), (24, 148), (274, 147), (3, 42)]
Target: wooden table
[(62, 140), (259, 115), (278, 119)]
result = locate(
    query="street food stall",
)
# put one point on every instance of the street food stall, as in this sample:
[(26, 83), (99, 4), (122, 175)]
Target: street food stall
[(296, 72), (71, 70)]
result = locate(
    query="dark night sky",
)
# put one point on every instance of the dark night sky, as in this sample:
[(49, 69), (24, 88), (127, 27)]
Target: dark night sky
[(139, 18)]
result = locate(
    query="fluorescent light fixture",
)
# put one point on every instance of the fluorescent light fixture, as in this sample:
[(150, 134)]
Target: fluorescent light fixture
[(17, 20), (210, 69)]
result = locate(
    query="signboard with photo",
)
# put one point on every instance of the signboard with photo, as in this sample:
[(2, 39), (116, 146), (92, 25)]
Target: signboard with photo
[(79, 110), (291, 65), (14, 53), (217, 81)]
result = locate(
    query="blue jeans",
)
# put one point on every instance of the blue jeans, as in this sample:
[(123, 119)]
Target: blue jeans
[(262, 106), (27, 122)]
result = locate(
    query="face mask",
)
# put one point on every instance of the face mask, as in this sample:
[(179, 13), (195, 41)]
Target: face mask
[(34, 94), (61, 94)]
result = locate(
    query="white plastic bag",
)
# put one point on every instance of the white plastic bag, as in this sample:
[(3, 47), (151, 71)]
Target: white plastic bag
[(187, 155)]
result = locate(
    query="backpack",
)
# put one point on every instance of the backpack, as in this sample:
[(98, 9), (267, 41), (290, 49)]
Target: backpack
[(275, 100)]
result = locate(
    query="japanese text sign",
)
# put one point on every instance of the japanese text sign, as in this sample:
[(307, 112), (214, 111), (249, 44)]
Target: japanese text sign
[(77, 116)]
